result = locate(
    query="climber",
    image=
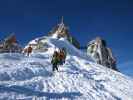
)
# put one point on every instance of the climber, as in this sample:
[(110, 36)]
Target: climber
[(28, 50), (58, 58), (55, 60), (62, 55)]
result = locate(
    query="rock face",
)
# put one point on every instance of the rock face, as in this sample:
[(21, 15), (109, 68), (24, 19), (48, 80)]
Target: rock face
[(99, 51), (61, 30), (10, 44)]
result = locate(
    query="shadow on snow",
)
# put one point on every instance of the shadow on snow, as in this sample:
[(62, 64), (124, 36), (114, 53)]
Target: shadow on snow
[(30, 92)]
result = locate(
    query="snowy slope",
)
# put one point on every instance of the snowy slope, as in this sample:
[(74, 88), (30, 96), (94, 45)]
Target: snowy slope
[(31, 78)]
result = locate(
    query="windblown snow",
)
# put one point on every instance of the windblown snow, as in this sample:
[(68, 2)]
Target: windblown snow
[(31, 78)]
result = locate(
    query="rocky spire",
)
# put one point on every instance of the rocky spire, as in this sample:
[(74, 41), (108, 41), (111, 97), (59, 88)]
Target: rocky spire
[(61, 30), (103, 55), (62, 20)]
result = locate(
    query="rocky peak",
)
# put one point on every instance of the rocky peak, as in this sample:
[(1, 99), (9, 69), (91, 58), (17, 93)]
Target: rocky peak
[(10, 44), (99, 51), (61, 30)]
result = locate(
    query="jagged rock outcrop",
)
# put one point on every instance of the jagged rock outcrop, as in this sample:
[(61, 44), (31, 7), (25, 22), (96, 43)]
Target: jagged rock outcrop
[(99, 51), (10, 44), (61, 30)]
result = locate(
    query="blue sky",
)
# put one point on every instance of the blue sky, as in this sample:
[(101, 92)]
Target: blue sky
[(110, 19)]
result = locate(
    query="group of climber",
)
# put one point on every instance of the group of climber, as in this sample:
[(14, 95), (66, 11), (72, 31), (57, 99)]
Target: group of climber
[(58, 58)]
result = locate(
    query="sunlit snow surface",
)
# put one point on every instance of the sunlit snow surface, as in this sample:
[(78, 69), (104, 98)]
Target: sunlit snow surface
[(31, 78)]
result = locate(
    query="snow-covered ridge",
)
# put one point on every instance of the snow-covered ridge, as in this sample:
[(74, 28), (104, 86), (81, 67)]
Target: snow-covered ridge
[(55, 43), (28, 78)]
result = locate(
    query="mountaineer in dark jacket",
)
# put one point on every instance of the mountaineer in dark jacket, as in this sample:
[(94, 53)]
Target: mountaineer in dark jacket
[(55, 60)]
